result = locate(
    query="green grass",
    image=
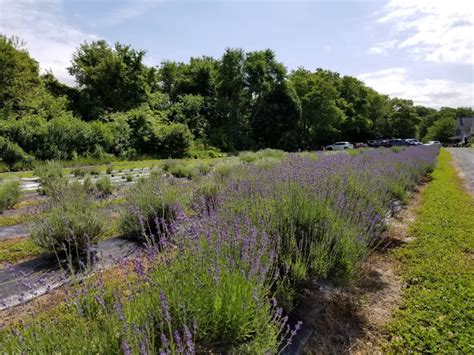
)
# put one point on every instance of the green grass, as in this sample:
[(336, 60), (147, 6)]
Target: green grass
[(17, 249), (118, 165), (438, 267), (6, 221)]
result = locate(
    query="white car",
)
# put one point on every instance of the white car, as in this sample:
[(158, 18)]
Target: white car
[(438, 143), (339, 146)]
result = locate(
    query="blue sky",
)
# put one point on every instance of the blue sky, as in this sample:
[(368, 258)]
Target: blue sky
[(421, 50)]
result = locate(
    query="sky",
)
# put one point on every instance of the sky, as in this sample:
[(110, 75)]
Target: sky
[(421, 50)]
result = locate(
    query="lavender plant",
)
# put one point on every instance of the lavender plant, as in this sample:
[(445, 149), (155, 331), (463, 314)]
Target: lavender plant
[(223, 269), (70, 225)]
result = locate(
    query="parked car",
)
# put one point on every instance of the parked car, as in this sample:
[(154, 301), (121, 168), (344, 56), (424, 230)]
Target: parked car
[(397, 143), (359, 145), (413, 141), (438, 143), (339, 146), (374, 143)]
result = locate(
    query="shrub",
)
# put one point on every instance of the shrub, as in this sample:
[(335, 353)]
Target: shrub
[(88, 185), (11, 153), (109, 170), (70, 225), (201, 151), (248, 157), (9, 195), (104, 186), (78, 172), (150, 202), (172, 140), (128, 177), (51, 177)]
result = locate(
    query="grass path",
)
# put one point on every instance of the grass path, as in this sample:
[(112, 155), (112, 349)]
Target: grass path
[(437, 314)]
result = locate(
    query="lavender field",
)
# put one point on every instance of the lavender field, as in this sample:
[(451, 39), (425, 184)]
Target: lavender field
[(228, 252)]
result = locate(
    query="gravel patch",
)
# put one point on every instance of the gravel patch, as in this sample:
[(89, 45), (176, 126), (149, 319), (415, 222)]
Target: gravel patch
[(464, 161)]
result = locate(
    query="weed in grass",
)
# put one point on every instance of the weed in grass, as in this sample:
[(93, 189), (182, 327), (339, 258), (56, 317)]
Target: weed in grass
[(109, 169), (129, 178)]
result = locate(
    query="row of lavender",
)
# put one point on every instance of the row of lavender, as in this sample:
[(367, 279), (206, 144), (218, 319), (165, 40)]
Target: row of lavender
[(229, 253)]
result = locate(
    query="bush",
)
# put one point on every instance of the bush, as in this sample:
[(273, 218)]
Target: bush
[(109, 170), (172, 140), (150, 201), (9, 195), (70, 225), (11, 153), (104, 186), (248, 157), (201, 151), (78, 172), (51, 177)]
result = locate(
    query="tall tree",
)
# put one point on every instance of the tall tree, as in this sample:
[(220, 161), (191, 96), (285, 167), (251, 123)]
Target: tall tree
[(111, 79), (20, 84), (322, 117)]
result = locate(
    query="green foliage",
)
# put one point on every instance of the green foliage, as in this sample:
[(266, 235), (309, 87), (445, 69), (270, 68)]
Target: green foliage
[(146, 202), (200, 151), (171, 140), (71, 225), (15, 250), (104, 186), (231, 313), (19, 78), (51, 177), (9, 194), (110, 78), (441, 130), (241, 101), (437, 266), (11, 153)]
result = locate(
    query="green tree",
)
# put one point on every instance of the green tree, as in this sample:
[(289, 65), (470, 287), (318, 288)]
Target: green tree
[(19, 78), (111, 79), (356, 106), (229, 125), (322, 117), (442, 130)]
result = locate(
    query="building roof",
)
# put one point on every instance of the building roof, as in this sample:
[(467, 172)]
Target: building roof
[(465, 122)]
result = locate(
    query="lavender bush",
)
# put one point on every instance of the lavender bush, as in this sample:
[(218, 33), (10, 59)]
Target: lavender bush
[(230, 257), (70, 224)]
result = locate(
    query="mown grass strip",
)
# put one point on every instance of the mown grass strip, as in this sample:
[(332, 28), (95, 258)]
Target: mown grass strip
[(438, 267), (17, 249)]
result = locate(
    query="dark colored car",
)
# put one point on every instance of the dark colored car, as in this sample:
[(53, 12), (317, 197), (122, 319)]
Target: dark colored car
[(398, 143), (374, 143), (359, 145)]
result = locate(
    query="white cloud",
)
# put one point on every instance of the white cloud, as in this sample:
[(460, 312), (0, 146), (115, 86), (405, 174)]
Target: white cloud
[(383, 47), (440, 31), (396, 82), (49, 39), (128, 11)]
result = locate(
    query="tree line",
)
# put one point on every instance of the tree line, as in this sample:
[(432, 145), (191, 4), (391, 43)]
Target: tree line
[(240, 101)]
